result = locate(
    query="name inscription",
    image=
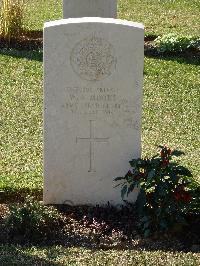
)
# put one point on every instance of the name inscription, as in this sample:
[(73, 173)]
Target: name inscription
[(97, 101)]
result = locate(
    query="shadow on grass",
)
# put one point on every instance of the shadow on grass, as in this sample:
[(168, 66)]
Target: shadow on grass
[(35, 55), (17, 255), (98, 228), (182, 58), (171, 244), (10, 195)]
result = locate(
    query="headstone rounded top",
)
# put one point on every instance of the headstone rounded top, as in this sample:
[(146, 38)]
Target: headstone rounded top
[(93, 20)]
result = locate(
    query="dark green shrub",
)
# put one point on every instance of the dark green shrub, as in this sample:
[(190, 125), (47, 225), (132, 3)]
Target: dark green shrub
[(175, 43), (167, 191), (32, 221)]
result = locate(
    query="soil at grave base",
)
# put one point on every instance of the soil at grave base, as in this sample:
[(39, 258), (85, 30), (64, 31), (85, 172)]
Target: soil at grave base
[(109, 228), (29, 40), (18, 196), (33, 40)]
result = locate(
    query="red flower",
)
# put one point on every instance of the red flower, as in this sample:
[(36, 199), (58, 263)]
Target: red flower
[(165, 162), (186, 196), (136, 177), (177, 195), (165, 152), (162, 153), (169, 151), (182, 196)]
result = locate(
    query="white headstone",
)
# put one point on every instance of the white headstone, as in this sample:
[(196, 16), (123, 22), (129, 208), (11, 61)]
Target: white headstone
[(89, 8), (93, 72)]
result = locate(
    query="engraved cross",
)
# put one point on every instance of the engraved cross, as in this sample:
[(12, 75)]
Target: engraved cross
[(92, 139)]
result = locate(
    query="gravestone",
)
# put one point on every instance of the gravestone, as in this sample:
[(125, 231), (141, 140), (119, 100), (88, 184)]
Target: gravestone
[(89, 8), (93, 72)]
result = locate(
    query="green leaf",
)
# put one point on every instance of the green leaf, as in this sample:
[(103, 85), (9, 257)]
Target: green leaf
[(118, 178), (181, 170), (131, 188), (145, 219), (133, 163), (151, 174), (163, 224), (123, 191), (173, 176), (177, 153), (147, 224), (147, 233), (120, 184), (151, 189), (160, 146)]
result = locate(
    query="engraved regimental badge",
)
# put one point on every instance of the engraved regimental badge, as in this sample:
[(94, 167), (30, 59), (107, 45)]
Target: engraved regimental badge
[(93, 58)]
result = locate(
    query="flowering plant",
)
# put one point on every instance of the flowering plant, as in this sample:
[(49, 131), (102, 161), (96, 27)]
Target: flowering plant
[(165, 190)]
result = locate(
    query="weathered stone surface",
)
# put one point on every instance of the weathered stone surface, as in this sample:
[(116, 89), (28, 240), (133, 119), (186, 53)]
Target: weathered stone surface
[(93, 72), (89, 8)]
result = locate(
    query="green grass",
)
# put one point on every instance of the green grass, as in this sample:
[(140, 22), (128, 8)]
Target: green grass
[(171, 108), (39, 11), (170, 114), (57, 256), (163, 16), (158, 16), (21, 120)]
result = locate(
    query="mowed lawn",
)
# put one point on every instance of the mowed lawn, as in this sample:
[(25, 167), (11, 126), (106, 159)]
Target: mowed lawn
[(158, 16), (171, 107), (170, 114), (62, 256)]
